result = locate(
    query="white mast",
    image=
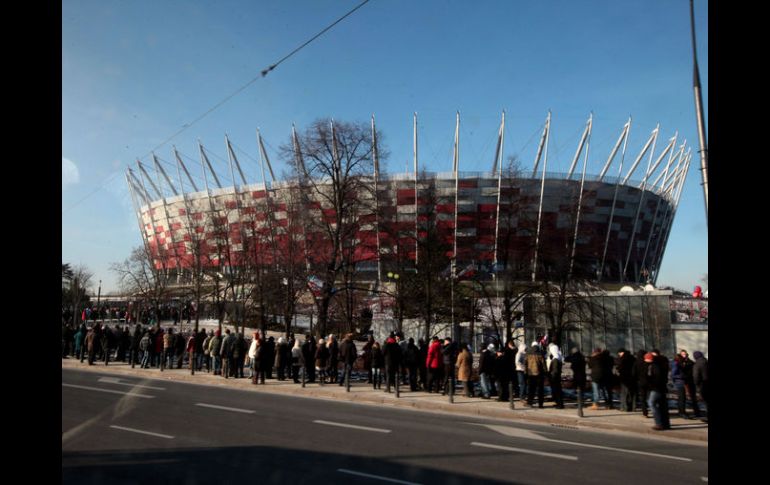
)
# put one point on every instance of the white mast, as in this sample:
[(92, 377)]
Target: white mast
[(178, 163), (632, 236), (211, 169), (586, 132), (586, 137), (499, 165), (624, 136), (543, 142), (621, 138)]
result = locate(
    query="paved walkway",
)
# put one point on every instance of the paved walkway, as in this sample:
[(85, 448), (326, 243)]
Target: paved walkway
[(615, 420)]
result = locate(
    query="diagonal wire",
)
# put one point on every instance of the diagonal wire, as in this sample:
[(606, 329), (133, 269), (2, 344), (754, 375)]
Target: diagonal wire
[(263, 73)]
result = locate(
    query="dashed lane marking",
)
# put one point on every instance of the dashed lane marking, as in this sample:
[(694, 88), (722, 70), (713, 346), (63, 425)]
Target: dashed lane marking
[(376, 477), (523, 450), (132, 394), (123, 428), (225, 408), (353, 426)]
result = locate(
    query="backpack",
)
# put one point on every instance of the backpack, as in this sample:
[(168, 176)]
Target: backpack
[(533, 369)]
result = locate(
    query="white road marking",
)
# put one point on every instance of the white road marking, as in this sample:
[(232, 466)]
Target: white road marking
[(225, 408), (115, 380), (522, 450), (143, 432), (132, 394), (344, 425), (376, 477), (522, 433)]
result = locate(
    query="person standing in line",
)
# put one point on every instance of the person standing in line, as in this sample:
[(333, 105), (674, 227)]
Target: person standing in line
[(449, 358), (625, 366), (535, 375), (658, 381), (411, 358), (367, 350), (296, 360), (689, 382), (334, 358), (554, 375), (215, 347), (486, 371), (133, 348), (80, 337), (700, 374), (321, 360), (422, 370), (378, 363), (578, 366), (433, 365), (465, 369), (642, 386), (392, 353), (281, 352), (521, 370), (348, 356)]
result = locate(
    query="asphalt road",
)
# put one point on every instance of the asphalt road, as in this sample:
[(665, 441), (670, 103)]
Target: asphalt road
[(119, 430)]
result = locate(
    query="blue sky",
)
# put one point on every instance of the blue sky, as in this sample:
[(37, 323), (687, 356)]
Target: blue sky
[(134, 73)]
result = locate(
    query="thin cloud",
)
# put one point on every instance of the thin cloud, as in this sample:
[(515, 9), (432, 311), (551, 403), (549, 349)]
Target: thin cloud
[(70, 175)]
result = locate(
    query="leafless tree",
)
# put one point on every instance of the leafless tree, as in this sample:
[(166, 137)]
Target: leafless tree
[(337, 171)]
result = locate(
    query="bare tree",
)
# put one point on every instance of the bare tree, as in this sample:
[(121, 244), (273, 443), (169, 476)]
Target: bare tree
[(139, 275), (337, 169)]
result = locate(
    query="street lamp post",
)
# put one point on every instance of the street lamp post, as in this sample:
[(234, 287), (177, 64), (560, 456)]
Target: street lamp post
[(98, 299), (395, 277)]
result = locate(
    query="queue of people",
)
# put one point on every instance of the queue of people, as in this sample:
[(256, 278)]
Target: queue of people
[(507, 372)]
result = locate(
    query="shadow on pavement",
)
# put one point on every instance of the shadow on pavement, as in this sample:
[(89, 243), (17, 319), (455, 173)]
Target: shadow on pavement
[(246, 464)]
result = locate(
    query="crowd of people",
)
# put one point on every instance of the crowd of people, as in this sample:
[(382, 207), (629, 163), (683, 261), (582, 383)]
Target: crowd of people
[(503, 372)]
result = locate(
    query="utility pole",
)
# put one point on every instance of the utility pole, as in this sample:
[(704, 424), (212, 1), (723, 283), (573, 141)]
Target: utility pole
[(704, 164)]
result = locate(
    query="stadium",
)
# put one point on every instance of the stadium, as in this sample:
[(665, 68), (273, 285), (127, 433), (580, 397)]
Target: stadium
[(606, 229)]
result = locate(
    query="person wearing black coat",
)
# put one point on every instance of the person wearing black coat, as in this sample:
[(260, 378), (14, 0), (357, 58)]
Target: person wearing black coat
[(625, 366), (422, 356), (348, 356), (504, 371), (270, 356), (642, 386), (392, 353), (689, 382), (411, 358), (377, 364), (308, 353), (657, 378), (487, 371), (133, 348), (334, 358), (700, 373), (449, 358)]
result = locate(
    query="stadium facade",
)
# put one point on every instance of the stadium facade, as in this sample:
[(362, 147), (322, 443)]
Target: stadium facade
[(610, 229)]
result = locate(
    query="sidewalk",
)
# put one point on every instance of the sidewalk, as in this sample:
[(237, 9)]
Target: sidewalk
[(609, 420)]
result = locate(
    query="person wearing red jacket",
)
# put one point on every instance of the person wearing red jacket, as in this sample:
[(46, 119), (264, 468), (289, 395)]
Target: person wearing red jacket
[(433, 363)]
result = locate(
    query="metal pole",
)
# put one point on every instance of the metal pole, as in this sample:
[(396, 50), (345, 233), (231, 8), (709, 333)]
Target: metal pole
[(580, 400), (704, 164), (98, 299)]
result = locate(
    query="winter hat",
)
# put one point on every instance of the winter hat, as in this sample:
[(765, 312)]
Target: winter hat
[(648, 357), (535, 344), (697, 354)]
